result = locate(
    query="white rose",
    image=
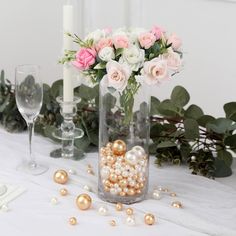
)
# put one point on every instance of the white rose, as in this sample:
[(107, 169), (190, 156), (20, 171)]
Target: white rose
[(134, 33), (106, 54), (134, 57), (117, 75), (121, 31), (155, 71), (173, 60), (96, 35)]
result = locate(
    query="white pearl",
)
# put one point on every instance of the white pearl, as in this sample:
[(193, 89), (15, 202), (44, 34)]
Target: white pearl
[(118, 171), (3, 189), (4, 208), (54, 201), (126, 190), (87, 188), (140, 152), (125, 174), (132, 183), (113, 191), (130, 220), (156, 195), (72, 172), (116, 185), (105, 172), (103, 210), (131, 157)]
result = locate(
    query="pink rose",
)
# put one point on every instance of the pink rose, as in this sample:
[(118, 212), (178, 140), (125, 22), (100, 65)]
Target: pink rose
[(155, 71), (175, 41), (104, 42), (158, 32), (85, 57), (117, 75), (173, 60), (121, 41), (146, 40)]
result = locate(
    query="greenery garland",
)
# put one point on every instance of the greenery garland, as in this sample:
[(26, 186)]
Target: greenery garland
[(179, 133)]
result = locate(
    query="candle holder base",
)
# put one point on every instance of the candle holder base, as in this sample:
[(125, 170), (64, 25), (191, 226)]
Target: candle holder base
[(67, 133)]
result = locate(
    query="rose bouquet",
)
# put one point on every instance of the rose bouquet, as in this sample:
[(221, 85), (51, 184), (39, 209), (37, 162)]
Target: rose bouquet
[(127, 58)]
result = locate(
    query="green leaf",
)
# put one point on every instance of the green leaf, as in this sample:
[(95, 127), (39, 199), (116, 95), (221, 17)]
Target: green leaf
[(2, 78), (166, 144), (230, 141), (57, 88), (169, 109), (87, 93), (152, 148), (191, 129), (221, 125), (180, 96), (100, 66), (194, 112), (156, 130), (109, 100), (205, 119), (230, 110), (82, 143), (225, 156), (154, 106), (222, 170), (119, 51), (5, 103)]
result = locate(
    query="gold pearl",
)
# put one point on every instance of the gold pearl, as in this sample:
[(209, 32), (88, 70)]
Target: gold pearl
[(129, 211), (131, 192), (113, 178), (72, 221), (90, 171), (177, 204), (173, 194), (123, 183), (120, 177), (112, 223), (149, 219), (119, 147), (63, 192), (60, 176), (138, 191), (109, 145), (111, 160), (141, 185), (122, 194), (119, 206), (107, 189), (135, 177), (83, 201), (137, 186)]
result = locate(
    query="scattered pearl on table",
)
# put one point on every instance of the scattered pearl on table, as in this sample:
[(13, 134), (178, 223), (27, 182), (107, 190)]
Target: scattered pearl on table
[(72, 221), (119, 206), (87, 188), (72, 172), (177, 204), (173, 194), (129, 211), (60, 176), (156, 195), (83, 201), (112, 223), (54, 201), (103, 210), (63, 192), (4, 208), (130, 221), (149, 219)]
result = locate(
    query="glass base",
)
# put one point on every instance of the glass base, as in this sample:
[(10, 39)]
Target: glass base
[(78, 154), (78, 133), (124, 200), (32, 168)]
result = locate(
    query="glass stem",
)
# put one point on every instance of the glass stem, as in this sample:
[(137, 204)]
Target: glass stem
[(31, 133)]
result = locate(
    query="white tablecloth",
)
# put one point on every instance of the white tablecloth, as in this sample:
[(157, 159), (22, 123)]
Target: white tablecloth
[(209, 206)]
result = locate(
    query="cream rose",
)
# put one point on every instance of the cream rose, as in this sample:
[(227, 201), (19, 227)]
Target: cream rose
[(155, 71), (106, 54), (96, 35), (134, 57), (117, 75)]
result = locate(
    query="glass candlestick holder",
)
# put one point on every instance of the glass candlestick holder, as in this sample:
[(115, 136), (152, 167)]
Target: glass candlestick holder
[(67, 132)]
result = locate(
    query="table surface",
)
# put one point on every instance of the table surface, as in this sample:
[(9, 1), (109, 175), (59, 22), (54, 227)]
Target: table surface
[(209, 205)]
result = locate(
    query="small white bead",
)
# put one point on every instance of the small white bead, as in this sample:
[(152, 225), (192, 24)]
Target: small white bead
[(130, 221), (105, 172), (4, 208), (103, 210), (119, 190), (72, 172), (156, 195), (118, 171), (132, 183), (54, 201), (87, 188), (126, 190), (125, 174), (116, 185), (113, 191)]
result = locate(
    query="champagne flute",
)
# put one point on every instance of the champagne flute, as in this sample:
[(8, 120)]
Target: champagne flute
[(29, 97)]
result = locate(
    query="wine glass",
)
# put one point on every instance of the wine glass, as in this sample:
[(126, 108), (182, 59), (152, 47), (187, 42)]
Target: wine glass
[(29, 97)]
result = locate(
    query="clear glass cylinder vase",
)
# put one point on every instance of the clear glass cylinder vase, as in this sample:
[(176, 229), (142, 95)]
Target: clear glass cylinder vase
[(124, 132)]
